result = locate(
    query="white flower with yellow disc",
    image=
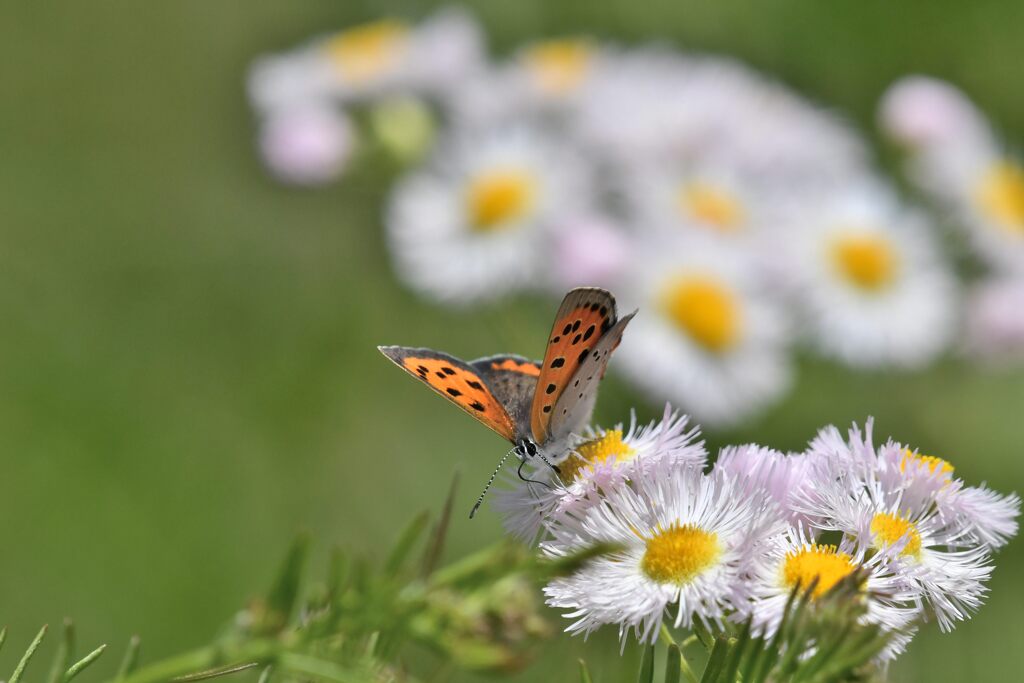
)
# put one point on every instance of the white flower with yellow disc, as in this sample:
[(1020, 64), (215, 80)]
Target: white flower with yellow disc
[(380, 57), (795, 562), (957, 157), (689, 544), (474, 223), (603, 460), (708, 339), (871, 283)]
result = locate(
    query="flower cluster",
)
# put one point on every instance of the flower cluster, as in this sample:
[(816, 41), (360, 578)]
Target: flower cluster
[(740, 217), (699, 548)]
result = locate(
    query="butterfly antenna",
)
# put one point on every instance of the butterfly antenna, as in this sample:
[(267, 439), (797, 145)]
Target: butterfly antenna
[(548, 463), (480, 500), (531, 481)]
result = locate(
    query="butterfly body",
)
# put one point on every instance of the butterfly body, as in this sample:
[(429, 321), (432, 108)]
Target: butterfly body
[(539, 406)]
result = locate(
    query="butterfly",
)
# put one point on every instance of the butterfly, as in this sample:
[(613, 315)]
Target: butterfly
[(540, 407)]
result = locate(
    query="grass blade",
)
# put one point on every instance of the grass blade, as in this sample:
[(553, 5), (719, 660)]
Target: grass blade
[(33, 646), (65, 651), (647, 665), (405, 543), (585, 673), (131, 658), (80, 666)]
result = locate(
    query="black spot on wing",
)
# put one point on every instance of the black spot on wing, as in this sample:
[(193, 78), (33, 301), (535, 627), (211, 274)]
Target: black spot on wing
[(473, 384), (576, 339), (453, 392), (558, 362), (567, 329), (589, 333), (576, 325), (583, 355), (477, 405), (551, 389), (547, 409), (448, 371)]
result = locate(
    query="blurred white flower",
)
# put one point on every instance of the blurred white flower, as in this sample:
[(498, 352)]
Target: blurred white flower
[(690, 544), (306, 145), (870, 281), (474, 224), (587, 250), (920, 113), (377, 58), (995, 319), (709, 340), (602, 461), (542, 80), (957, 158)]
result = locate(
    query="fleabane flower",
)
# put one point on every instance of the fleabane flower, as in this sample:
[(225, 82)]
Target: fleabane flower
[(603, 460), (474, 223), (709, 340), (957, 157), (995, 325), (898, 502), (543, 79), (307, 144), (870, 281), (765, 471), (795, 561), (689, 543)]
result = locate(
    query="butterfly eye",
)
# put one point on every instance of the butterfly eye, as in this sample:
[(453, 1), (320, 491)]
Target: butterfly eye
[(531, 448)]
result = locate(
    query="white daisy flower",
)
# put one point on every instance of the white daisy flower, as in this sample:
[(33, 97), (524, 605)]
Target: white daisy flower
[(380, 57), (872, 285), (602, 461), (689, 543), (473, 225), (590, 249), (708, 199), (784, 478), (794, 561), (995, 325), (976, 516), (708, 340), (958, 159), (307, 144), (543, 79)]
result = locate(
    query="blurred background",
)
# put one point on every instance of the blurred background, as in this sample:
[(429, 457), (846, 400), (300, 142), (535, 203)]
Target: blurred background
[(188, 372)]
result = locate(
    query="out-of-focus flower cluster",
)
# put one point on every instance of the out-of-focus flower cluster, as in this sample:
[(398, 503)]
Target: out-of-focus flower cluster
[(713, 548), (743, 219)]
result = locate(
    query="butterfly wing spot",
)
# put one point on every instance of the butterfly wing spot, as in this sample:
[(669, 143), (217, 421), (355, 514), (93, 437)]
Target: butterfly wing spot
[(576, 326), (550, 389), (583, 356), (589, 333), (558, 362), (566, 330), (547, 409), (457, 382)]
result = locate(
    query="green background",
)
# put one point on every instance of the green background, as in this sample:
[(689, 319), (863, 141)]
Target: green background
[(187, 363)]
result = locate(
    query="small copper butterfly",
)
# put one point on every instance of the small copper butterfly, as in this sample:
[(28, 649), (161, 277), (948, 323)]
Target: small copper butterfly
[(540, 407)]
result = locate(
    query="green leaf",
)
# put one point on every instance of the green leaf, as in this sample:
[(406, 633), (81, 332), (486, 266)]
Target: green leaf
[(405, 543), (647, 665), (584, 673), (33, 646), (65, 651), (435, 546), (216, 673), (716, 661), (570, 564), (80, 666), (131, 658), (673, 664), (732, 662), (284, 594)]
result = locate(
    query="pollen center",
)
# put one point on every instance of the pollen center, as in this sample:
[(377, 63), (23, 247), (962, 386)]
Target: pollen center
[(821, 563), (365, 52), (868, 262), (679, 554), (705, 310), (935, 465), (889, 529), (559, 66), (711, 206), (497, 198), (603, 449), (1001, 196)]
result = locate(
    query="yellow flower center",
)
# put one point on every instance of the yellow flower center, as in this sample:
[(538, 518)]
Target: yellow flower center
[(711, 206), (821, 563), (935, 465), (367, 51), (1001, 196), (559, 66), (868, 262), (705, 310), (679, 554), (600, 450), (889, 529), (498, 197)]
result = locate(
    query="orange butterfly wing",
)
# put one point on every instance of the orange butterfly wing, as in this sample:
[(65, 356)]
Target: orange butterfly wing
[(585, 315), (455, 380)]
